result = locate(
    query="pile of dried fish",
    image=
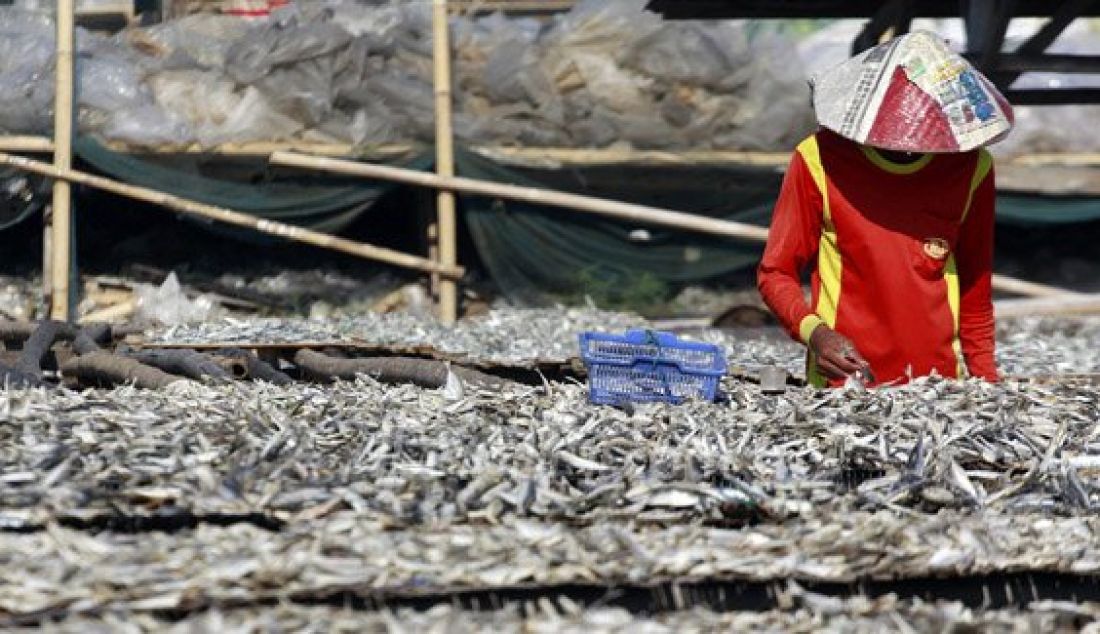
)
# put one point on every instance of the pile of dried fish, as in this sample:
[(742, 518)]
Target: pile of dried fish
[(1026, 347), (508, 336), (815, 614), (345, 553), (411, 456), (1033, 345), (292, 492)]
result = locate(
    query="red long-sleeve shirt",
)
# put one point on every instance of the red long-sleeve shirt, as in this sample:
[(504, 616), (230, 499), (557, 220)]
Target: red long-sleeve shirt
[(900, 257)]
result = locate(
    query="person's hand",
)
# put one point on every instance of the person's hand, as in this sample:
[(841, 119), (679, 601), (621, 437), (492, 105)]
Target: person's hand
[(836, 356)]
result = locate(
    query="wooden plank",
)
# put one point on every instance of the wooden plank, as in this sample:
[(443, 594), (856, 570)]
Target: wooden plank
[(1047, 62), (1054, 180), (819, 9), (1074, 305), (122, 7), (548, 157), (1052, 97)]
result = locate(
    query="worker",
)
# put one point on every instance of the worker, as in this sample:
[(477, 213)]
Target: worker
[(890, 206)]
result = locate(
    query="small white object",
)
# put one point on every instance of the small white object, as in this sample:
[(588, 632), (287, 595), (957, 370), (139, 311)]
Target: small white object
[(453, 390)]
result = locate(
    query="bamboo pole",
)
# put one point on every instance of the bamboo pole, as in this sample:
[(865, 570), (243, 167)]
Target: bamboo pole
[(61, 214), (589, 204), (236, 218), (1028, 289), (444, 160), (1072, 305), (552, 156), (23, 143)]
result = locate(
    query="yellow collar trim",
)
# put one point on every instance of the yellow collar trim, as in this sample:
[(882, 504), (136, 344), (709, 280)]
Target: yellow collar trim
[(892, 167)]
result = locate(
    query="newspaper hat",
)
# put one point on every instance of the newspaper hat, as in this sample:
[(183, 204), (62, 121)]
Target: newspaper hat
[(911, 94)]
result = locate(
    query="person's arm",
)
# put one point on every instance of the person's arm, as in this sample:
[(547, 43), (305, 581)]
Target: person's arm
[(792, 241), (974, 258)]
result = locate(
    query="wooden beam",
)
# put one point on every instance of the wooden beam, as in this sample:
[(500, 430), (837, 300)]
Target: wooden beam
[(1046, 62), (986, 25), (1052, 97), (1065, 13), (819, 9), (891, 20)]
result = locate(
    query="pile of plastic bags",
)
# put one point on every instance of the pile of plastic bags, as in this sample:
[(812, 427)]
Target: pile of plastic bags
[(357, 72)]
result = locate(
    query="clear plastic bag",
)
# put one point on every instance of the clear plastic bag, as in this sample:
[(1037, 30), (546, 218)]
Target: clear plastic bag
[(201, 40), (110, 82), (169, 305), (147, 126), (251, 119), (26, 67), (361, 72), (260, 52), (706, 54)]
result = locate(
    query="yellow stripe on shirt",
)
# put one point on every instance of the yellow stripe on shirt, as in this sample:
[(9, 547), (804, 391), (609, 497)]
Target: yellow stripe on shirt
[(951, 276), (828, 254), (985, 163)]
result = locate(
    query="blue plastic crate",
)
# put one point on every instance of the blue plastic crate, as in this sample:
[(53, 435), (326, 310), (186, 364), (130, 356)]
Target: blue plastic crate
[(645, 366)]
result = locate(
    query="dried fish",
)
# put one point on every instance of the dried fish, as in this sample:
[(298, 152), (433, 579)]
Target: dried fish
[(375, 486), (548, 616)]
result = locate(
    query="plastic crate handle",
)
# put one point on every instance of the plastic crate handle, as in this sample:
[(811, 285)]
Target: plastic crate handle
[(652, 338)]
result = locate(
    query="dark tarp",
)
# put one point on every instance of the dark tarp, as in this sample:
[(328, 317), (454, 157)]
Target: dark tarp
[(536, 253)]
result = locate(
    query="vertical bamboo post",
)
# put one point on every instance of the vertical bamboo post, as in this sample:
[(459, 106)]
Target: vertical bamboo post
[(444, 158), (61, 217)]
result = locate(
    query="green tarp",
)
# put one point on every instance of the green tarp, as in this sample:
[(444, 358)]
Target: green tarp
[(541, 253), (1029, 210), (320, 202), (538, 253)]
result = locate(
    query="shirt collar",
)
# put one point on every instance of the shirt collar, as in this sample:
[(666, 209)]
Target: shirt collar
[(895, 168)]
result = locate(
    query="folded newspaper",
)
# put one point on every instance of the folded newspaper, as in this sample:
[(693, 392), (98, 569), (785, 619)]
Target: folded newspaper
[(911, 94)]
